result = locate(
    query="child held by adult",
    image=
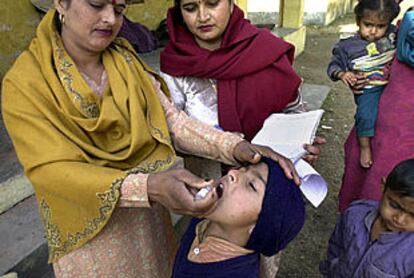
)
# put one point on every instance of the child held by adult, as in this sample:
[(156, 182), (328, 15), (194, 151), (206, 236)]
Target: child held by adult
[(362, 62), (376, 239), (259, 211)]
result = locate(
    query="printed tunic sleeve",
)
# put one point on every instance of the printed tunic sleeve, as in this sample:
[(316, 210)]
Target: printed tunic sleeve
[(134, 191), (194, 137)]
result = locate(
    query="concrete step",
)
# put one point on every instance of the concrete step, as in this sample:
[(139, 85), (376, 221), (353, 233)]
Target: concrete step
[(14, 190), (314, 95), (23, 244)]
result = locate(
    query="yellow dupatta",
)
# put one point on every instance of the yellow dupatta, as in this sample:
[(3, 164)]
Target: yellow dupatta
[(75, 147)]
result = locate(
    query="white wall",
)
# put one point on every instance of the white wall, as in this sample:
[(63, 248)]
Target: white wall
[(311, 6), (316, 11), (263, 6), (315, 6)]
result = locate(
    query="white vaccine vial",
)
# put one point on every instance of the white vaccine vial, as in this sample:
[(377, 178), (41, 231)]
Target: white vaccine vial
[(202, 193)]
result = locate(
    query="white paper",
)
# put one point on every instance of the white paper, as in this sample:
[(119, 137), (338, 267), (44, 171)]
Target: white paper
[(313, 185), (286, 134)]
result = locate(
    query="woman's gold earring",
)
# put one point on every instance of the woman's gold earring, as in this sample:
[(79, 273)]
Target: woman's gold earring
[(62, 19)]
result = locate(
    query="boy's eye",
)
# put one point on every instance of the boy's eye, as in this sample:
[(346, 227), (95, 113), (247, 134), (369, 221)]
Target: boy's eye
[(252, 186)]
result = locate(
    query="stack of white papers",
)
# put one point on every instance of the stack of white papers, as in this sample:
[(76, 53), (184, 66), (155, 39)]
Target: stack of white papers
[(286, 134)]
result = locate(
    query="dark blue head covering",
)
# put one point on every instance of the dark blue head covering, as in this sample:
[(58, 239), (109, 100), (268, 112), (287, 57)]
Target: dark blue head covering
[(282, 215)]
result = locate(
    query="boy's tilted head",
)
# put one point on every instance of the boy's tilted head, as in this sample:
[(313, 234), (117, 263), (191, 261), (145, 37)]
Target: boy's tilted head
[(282, 215), (397, 203), (261, 204)]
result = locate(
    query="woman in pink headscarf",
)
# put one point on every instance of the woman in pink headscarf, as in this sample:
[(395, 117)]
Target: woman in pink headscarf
[(228, 73)]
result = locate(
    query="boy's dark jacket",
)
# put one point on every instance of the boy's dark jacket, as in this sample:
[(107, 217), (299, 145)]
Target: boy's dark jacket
[(246, 266)]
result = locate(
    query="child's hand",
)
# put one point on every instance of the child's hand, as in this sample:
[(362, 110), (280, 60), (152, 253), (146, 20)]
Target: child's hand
[(348, 77), (359, 84)]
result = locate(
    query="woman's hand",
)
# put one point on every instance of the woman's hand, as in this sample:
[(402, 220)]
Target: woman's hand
[(246, 152), (175, 189), (313, 150)]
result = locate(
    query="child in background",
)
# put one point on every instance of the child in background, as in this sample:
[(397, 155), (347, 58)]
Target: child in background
[(259, 211), (373, 239), (361, 60)]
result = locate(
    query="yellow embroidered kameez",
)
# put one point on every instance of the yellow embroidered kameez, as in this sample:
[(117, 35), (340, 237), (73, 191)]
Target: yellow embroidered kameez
[(88, 156)]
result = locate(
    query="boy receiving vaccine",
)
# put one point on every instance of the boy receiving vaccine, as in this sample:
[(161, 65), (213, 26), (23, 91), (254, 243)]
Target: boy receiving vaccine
[(259, 211), (376, 239), (361, 62)]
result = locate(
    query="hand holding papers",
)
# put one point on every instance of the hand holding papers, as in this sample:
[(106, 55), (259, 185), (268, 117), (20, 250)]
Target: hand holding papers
[(286, 134)]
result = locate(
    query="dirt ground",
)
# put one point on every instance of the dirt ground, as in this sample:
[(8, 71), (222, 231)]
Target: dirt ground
[(302, 257)]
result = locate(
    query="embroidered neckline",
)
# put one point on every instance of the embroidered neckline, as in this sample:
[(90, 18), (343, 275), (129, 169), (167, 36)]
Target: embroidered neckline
[(65, 68), (97, 88)]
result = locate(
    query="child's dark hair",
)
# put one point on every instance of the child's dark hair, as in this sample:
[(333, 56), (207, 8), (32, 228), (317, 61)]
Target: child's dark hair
[(401, 178), (387, 9)]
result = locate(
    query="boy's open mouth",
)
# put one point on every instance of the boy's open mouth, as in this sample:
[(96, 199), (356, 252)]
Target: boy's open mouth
[(219, 190)]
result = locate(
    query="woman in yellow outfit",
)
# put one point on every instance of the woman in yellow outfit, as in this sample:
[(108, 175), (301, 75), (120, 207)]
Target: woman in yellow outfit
[(96, 133)]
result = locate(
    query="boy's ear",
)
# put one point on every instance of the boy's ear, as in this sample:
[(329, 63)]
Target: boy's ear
[(383, 181)]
